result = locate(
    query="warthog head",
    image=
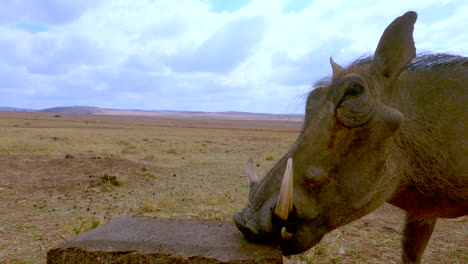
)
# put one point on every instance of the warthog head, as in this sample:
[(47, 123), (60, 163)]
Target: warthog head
[(339, 168)]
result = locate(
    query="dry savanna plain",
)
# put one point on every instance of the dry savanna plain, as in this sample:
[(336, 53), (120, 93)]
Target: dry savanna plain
[(61, 175)]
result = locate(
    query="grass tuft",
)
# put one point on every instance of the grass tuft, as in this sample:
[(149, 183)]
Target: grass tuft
[(172, 151)]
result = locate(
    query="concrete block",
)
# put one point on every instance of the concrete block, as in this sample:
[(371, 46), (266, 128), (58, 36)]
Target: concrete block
[(151, 240)]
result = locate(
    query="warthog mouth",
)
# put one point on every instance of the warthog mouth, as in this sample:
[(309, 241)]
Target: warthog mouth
[(292, 236), (278, 223)]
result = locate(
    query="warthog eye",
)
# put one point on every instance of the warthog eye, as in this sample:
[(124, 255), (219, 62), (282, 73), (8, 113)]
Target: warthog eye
[(355, 89), (355, 107)]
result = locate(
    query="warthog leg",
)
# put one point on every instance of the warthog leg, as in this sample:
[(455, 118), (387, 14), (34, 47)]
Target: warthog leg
[(415, 238)]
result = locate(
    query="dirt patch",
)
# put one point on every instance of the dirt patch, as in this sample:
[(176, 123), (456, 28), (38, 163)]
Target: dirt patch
[(65, 174), (47, 200)]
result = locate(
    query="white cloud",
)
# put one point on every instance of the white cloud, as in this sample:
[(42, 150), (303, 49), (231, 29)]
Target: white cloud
[(223, 50), (53, 12), (261, 55)]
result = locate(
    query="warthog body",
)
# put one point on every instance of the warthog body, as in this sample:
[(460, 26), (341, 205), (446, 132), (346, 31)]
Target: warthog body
[(387, 128)]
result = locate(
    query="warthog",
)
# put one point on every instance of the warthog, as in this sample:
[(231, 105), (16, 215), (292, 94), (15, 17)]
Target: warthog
[(387, 128)]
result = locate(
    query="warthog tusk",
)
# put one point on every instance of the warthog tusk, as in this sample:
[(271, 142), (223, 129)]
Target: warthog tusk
[(284, 205), (251, 175), (285, 235)]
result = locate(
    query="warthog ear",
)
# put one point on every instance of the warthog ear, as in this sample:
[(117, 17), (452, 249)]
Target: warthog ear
[(251, 175), (395, 49), (337, 69)]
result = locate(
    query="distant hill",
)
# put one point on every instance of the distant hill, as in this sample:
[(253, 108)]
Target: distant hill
[(5, 108), (74, 110), (87, 110), (227, 113), (237, 113)]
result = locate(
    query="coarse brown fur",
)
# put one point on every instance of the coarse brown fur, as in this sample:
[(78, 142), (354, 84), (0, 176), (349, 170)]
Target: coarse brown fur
[(387, 128), (431, 150)]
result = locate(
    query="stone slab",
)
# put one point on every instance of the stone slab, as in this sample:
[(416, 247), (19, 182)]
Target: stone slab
[(150, 240)]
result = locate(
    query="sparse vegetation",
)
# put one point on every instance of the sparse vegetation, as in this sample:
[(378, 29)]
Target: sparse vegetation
[(46, 198), (172, 151), (84, 226)]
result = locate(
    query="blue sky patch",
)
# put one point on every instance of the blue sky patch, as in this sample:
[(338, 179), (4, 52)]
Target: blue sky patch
[(34, 28), (229, 6), (296, 5)]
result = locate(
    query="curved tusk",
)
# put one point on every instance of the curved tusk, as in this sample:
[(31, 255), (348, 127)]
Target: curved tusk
[(285, 235), (284, 205), (251, 175)]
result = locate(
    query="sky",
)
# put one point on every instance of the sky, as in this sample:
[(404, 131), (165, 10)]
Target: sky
[(198, 55)]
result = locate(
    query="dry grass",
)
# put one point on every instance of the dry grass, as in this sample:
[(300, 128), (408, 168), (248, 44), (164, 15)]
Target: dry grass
[(185, 168)]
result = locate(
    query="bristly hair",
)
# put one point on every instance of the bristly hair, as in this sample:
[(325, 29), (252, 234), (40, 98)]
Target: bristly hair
[(424, 61), (427, 61), (363, 60)]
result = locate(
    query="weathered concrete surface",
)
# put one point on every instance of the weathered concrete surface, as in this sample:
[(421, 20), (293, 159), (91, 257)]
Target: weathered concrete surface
[(149, 240)]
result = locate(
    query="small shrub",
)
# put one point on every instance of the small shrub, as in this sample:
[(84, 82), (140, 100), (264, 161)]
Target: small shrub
[(172, 151), (269, 157), (114, 180), (82, 228), (121, 180), (147, 206), (95, 224), (129, 150), (148, 175), (149, 157)]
